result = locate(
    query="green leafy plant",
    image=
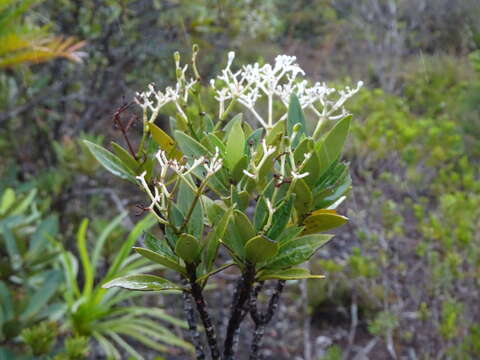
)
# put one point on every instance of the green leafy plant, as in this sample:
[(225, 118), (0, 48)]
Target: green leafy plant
[(261, 184), (94, 312), (28, 281)]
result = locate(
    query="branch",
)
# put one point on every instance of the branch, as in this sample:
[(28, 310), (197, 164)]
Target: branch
[(192, 325), (240, 299), (196, 291), (262, 320)]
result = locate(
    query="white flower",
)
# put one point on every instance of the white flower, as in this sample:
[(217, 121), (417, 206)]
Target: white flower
[(214, 164), (280, 80)]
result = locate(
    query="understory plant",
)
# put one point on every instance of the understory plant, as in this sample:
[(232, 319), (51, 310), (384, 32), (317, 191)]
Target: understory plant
[(252, 185)]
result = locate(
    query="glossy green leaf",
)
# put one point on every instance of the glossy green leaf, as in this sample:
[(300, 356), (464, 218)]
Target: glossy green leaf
[(298, 251), (215, 142), (303, 197), (244, 226), (289, 233), (265, 169), (241, 199), (253, 140), (260, 248), (235, 145), (261, 213), (275, 134), (186, 197), (125, 156), (288, 274), (187, 248), (236, 119), (160, 259), (214, 209), (111, 162), (142, 283), (237, 171), (190, 146), (159, 246), (213, 239), (323, 220), (331, 146), (281, 217), (312, 164), (294, 117)]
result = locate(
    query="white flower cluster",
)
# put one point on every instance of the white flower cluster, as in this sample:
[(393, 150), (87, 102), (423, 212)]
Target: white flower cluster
[(161, 194), (153, 100), (251, 83), (281, 80)]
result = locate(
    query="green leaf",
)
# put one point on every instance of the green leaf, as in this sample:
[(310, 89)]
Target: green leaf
[(237, 171), (235, 145), (303, 197), (289, 233), (244, 226), (143, 225), (165, 142), (294, 117), (213, 239), (8, 199), (275, 134), (323, 220), (213, 208), (52, 281), (260, 248), (142, 282), (125, 156), (190, 146), (263, 171), (252, 141), (240, 199), (281, 217), (88, 272), (236, 119), (160, 259), (298, 251), (186, 196), (111, 162), (25, 203), (330, 148), (187, 248), (158, 246), (312, 165), (288, 274), (214, 142)]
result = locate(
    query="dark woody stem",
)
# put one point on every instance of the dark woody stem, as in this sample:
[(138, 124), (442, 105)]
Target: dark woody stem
[(240, 300), (261, 320), (192, 325), (196, 291)]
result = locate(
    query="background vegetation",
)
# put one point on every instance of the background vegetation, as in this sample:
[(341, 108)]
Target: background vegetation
[(402, 276)]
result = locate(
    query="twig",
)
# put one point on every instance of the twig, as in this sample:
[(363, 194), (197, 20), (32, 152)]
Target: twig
[(262, 320), (197, 294), (240, 298), (192, 325)]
